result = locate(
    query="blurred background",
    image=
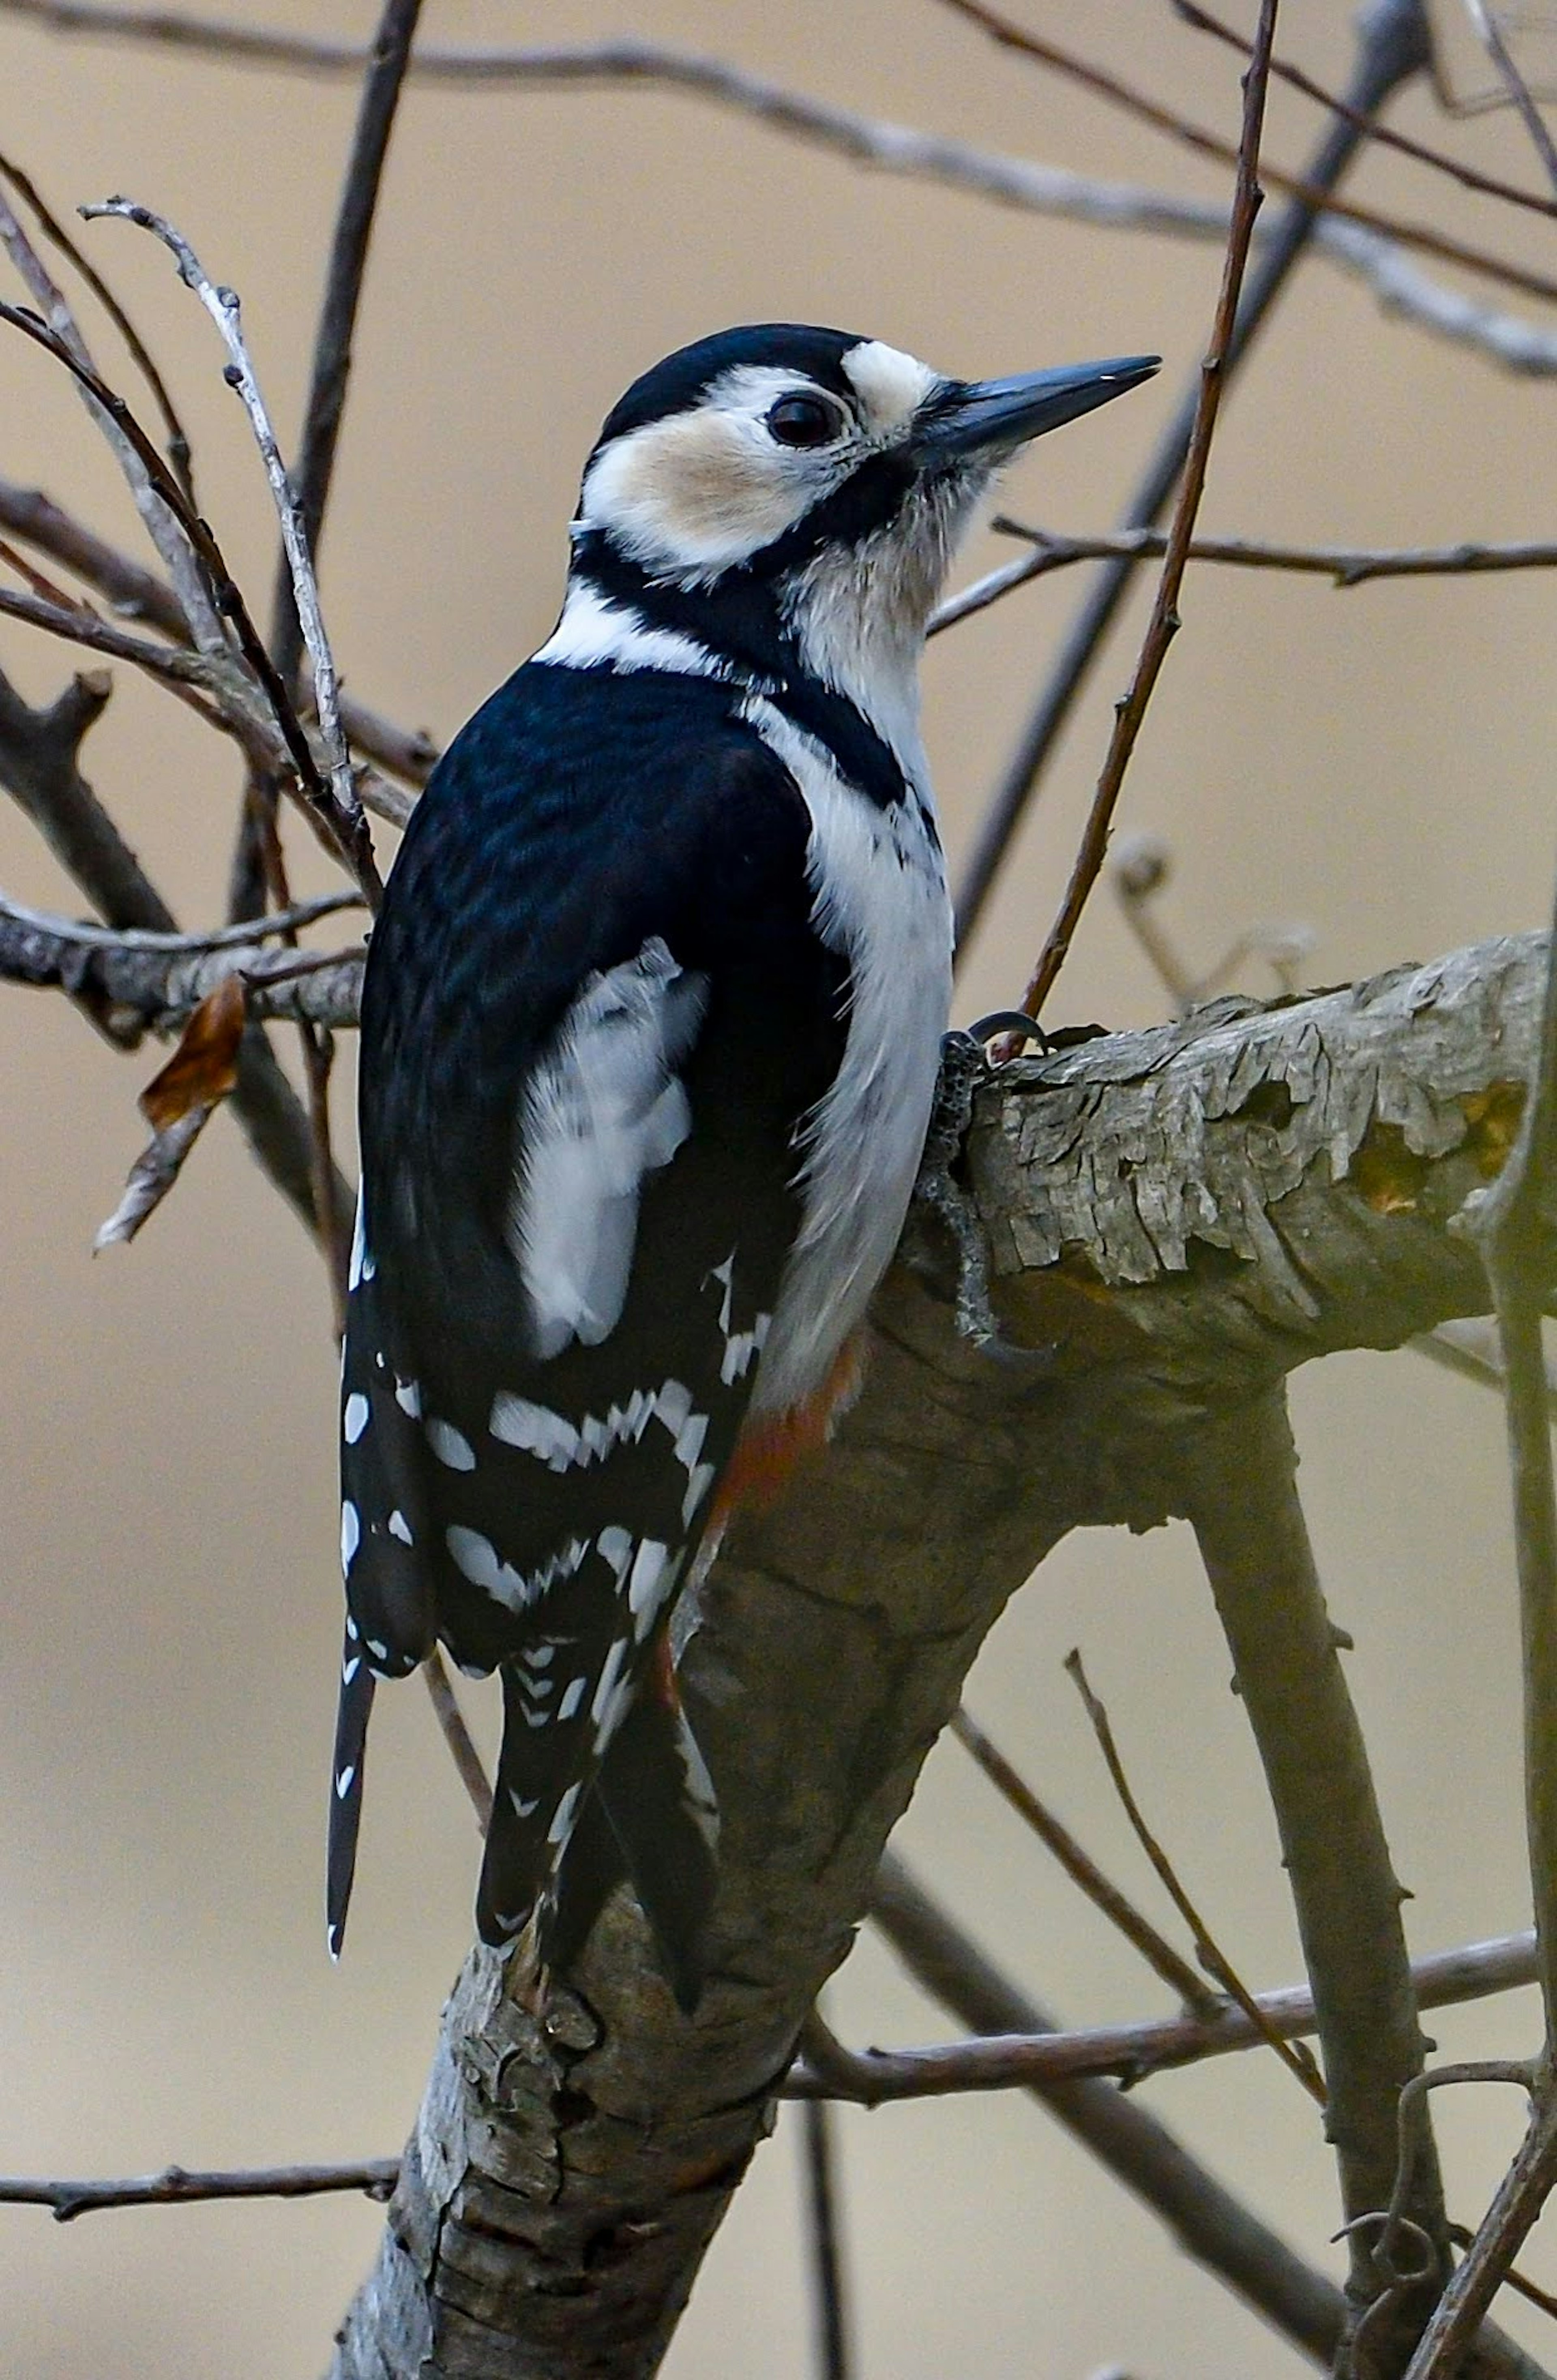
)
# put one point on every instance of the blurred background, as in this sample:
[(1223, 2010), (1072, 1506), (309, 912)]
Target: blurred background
[(1374, 765)]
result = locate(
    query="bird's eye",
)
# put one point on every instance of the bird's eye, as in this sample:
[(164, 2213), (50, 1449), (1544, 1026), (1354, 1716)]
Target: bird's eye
[(803, 421)]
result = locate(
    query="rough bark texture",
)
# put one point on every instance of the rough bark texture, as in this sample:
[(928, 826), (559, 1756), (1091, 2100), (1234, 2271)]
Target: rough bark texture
[(1184, 1215)]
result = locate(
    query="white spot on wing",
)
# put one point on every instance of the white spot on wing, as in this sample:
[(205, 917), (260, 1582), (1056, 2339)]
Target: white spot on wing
[(603, 1107), (573, 1695), (645, 1592), (605, 1688), (354, 1419), (359, 1249), (449, 1447), (351, 1533), (400, 1527), (477, 1559), (407, 1396), (343, 1783), (562, 1816)]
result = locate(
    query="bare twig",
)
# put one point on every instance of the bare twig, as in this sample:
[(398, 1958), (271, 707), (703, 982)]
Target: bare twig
[(161, 978), (1201, 20), (1343, 566), (1471, 1347), (892, 148), (1489, 34), (180, 452), (30, 514), (829, 2289), (152, 1177), (1163, 623), (1121, 1912), (388, 60), (1213, 1958), (181, 558), (38, 767), (1512, 1223), (1109, 86), (1003, 2059), (175, 2185), (327, 389), (338, 803), (1205, 2218), (1394, 45), (1523, 2191), (457, 1735), (1240, 1497), (317, 796)]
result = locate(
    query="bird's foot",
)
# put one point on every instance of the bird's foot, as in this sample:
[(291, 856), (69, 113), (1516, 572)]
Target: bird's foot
[(964, 1067)]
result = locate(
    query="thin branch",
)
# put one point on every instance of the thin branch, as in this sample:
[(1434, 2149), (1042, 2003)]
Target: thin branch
[(1241, 1499), (180, 557), (180, 453), (1021, 2058), (152, 1177), (1489, 34), (176, 2185), (1393, 46), (1201, 20), (1203, 2216), (30, 514), (337, 802), (38, 767), (457, 1735), (162, 978), (1083, 1870), (828, 2280), (317, 797), (388, 60), (1450, 2333), (1344, 565), (176, 664), (1109, 86), (1211, 1956), (1471, 1347), (1164, 624), (891, 148)]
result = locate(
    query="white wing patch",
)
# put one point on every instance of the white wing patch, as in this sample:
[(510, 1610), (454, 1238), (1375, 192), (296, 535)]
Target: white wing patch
[(603, 1107)]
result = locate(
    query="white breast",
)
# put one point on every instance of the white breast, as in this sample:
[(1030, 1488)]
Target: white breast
[(880, 901)]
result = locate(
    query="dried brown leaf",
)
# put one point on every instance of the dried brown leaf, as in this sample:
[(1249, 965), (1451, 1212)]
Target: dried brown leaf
[(203, 1068)]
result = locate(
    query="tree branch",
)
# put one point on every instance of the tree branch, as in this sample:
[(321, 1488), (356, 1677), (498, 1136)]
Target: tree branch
[(1394, 45), (1400, 286), (1193, 1208), (1286, 1655), (39, 768)]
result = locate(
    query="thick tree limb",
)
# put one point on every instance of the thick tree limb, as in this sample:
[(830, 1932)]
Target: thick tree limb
[(1191, 1212)]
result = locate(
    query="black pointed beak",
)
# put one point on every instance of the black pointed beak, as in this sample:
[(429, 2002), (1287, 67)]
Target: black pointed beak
[(991, 418)]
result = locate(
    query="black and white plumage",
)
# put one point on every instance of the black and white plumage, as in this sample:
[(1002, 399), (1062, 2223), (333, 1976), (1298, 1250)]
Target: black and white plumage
[(650, 1035)]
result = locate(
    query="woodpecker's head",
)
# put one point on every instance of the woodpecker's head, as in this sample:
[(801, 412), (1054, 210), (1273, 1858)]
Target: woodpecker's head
[(810, 474)]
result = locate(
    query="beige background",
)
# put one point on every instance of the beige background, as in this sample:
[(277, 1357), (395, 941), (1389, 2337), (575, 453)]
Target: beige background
[(1377, 765)]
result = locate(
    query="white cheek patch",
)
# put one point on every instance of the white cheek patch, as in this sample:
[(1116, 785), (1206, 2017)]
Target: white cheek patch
[(891, 386), (698, 492)]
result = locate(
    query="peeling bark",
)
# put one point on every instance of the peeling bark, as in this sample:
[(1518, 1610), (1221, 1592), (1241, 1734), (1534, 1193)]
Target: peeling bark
[(1182, 1216)]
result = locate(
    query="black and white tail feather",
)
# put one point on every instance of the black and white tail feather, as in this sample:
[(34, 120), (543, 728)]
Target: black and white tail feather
[(650, 1026)]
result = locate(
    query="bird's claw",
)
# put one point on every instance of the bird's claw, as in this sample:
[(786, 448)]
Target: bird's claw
[(964, 1066)]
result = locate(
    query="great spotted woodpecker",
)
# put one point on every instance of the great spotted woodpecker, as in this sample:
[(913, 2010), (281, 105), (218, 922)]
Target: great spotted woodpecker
[(649, 1037)]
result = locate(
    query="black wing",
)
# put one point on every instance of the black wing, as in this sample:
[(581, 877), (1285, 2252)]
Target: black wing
[(595, 1017)]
